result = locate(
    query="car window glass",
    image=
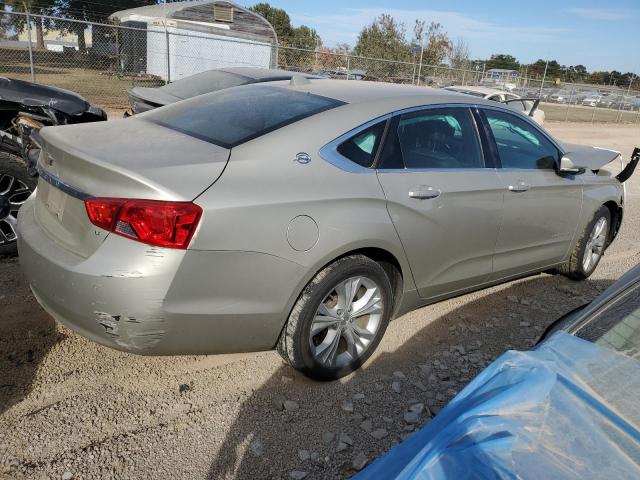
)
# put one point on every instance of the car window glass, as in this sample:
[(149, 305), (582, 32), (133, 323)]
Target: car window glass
[(362, 147), (434, 138), (520, 145), (617, 327), (234, 116)]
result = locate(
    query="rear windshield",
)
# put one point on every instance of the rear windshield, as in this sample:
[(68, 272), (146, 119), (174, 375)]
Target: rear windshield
[(231, 117), (205, 82)]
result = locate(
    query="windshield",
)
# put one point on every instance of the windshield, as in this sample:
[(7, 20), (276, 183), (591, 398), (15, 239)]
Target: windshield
[(230, 117), (617, 327), (204, 82)]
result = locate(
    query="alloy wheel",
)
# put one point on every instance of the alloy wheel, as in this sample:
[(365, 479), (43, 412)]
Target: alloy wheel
[(346, 322), (13, 193), (595, 244)]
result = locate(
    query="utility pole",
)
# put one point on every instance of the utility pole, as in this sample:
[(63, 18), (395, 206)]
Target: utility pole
[(420, 66), (544, 76)]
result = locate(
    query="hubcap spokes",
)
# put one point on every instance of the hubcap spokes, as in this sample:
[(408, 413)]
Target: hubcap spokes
[(13, 193), (346, 322), (595, 244)]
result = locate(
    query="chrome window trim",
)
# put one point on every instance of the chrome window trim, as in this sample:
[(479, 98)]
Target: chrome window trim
[(329, 152), (59, 184)]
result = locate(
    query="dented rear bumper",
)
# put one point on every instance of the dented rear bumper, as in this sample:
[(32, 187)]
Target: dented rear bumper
[(153, 301)]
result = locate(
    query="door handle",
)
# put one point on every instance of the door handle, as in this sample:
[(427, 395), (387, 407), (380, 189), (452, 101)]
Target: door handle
[(519, 187), (424, 192)]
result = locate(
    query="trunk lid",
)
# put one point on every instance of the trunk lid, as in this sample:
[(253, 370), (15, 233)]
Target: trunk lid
[(128, 158)]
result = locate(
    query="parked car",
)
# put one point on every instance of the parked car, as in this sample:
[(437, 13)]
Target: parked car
[(143, 99), (24, 108), (525, 105), (302, 216), (592, 101), (567, 409)]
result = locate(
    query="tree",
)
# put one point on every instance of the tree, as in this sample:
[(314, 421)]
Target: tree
[(91, 11), (434, 40), (384, 38), (305, 37), (38, 7), (279, 20), (502, 60), (459, 55)]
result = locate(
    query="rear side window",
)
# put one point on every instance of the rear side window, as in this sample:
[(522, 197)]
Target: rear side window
[(362, 147), (230, 117)]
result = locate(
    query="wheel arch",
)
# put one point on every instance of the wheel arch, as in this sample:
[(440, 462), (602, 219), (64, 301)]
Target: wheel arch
[(394, 264), (616, 212)]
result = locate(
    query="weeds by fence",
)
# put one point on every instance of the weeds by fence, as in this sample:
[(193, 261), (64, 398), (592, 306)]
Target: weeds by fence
[(116, 58)]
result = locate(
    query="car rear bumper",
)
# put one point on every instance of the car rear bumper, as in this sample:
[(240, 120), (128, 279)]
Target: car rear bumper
[(154, 301)]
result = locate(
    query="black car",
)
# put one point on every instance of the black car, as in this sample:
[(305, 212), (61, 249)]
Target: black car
[(143, 99), (26, 107)]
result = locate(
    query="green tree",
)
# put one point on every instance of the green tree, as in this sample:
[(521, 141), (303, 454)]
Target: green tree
[(502, 60), (38, 7), (91, 11), (434, 40), (279, 20), (385, 38)]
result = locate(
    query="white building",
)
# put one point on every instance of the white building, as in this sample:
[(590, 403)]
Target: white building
[(176, 40)]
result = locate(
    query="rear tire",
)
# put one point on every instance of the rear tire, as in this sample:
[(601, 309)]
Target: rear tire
[(16, 185), (589, 250), (339, 319)]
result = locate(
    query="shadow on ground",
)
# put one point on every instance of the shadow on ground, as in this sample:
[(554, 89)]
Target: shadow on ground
[(27, 334), (436, 361)]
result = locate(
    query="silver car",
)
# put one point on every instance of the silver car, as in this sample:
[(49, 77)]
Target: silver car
[(303, 216)]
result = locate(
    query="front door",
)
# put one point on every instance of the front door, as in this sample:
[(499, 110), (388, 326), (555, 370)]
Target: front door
[(541, 208), (445, 205)]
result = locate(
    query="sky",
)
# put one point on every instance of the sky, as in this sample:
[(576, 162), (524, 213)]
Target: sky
[(600, 35)]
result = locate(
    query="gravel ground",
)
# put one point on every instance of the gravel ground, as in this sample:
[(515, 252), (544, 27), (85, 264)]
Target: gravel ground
[(72, 409)]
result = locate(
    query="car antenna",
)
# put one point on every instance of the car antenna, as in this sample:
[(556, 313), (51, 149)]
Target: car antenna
[(298, 80)]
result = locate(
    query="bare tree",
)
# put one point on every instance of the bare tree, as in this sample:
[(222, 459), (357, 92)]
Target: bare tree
[(459, 56)]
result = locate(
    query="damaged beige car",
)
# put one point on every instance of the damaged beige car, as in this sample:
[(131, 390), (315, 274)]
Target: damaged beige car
[(303, 216)]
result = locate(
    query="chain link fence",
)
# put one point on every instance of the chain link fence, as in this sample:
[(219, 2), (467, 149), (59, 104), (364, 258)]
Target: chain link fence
[(101, 62)]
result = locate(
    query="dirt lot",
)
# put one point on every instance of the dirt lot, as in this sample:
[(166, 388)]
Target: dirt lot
[(73, 409)]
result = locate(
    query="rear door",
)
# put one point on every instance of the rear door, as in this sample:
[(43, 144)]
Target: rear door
[(444, 201), (541, 208)]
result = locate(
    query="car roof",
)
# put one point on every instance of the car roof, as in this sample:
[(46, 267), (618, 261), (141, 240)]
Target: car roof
[(364, 92)]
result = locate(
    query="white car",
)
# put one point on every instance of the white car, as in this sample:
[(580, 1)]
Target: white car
[(502, 97), (592, 101)]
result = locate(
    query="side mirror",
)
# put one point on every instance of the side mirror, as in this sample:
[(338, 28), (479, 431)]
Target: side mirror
[(568, 168)]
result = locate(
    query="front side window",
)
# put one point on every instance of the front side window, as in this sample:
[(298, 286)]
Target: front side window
[(230, 117), (433, 138), (362, 147), (520, 145)]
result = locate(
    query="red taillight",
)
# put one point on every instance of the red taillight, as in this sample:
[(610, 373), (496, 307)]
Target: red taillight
[(164, 224)]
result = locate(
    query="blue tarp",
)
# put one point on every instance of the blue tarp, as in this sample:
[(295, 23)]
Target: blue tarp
[(568, 409)]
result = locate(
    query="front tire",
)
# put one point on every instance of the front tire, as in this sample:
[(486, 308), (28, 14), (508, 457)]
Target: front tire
[(589, 250), (339, 319), (16, 185)]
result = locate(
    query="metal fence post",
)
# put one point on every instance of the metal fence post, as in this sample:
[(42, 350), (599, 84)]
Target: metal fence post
[(166, 34), (31, 66), (348, 67)]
